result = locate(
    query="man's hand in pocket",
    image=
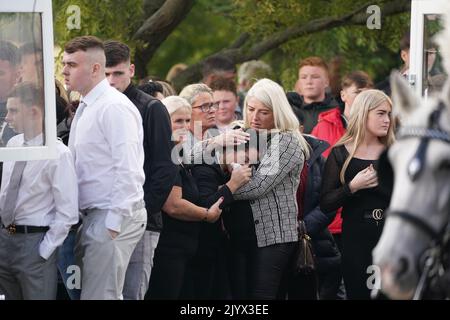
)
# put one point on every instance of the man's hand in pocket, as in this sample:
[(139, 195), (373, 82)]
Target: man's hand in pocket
[(113, 233)]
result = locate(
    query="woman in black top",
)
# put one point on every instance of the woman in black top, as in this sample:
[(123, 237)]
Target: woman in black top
[(181, 220), (213, 182), (350, 181)]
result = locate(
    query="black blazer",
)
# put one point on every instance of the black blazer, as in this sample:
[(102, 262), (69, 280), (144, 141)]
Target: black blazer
[(160, 171)]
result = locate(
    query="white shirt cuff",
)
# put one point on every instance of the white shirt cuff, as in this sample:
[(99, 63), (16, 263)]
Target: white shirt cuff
[(45, 251), (113, 221)]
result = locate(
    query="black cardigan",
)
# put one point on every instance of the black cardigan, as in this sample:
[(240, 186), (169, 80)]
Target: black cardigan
[(160, 171), (335, 194), (209, 180)]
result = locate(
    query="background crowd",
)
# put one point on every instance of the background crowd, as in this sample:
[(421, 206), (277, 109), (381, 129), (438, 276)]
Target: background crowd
[(156, 194)]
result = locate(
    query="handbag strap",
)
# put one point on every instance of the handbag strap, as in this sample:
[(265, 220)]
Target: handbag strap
[(301, 228), (302, 187)]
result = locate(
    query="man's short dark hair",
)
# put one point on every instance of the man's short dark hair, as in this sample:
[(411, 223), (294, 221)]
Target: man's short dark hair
[(83, 43), (29, 94), (223, 84), (151, 88), (358, 78), (217, 64), (116, 52), (256, 141), (9, 52)]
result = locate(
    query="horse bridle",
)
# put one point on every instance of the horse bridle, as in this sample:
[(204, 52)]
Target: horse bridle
[(417, 164), (415, 168)]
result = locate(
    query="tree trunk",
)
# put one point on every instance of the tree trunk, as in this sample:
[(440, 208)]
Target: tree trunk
[(157, 28), (238, 54)]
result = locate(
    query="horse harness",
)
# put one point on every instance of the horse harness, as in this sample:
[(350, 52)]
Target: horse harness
[(417, 163), (432, 257)]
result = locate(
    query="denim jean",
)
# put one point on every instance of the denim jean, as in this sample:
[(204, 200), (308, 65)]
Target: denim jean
[(65, 259), (139, 269)]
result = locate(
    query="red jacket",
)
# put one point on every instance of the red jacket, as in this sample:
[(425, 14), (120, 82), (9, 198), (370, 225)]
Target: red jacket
[(335, 226), (329, 127)]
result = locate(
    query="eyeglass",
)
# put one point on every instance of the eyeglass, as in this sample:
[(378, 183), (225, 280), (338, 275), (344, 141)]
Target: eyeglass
[(207, 106)]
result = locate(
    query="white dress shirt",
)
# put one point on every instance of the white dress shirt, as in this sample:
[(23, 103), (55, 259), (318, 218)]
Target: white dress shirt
[(109, 154), (48, 194)]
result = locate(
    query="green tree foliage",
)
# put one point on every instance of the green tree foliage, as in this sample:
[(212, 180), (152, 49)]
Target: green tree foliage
[(375, 51), (106, 19), (213, 25), (207, 29)]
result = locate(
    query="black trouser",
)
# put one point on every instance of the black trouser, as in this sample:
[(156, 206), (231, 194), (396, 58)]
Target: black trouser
[(171, 275), (359, 238), (209, 272), (302, 286), (257, 273), (340, 292), (329, 283)]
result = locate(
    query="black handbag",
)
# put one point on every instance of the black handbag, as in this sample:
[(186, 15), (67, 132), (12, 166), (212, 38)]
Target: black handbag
[(304, 262)]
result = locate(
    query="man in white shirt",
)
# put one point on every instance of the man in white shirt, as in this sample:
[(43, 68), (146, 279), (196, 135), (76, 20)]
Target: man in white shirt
[(160, 171), (106, 140), (9, 75), (38, 204)]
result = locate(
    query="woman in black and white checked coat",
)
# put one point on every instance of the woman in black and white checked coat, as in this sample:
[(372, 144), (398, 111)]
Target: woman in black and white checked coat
[(272, 188)]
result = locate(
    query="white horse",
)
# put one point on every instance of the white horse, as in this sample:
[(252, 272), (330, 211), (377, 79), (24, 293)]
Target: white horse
[(420, 205)]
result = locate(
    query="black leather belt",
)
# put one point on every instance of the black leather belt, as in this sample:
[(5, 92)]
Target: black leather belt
[(13, 229), (375, 214)]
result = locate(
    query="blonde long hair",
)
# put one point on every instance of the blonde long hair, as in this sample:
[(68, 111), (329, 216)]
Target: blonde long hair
[(272, 95), (356, 130)]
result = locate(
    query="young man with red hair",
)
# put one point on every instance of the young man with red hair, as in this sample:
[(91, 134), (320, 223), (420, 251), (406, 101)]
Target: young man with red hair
[(310, 97)]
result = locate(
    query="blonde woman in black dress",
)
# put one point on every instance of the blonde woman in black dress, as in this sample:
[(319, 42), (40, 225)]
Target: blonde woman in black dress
[(350, 181)]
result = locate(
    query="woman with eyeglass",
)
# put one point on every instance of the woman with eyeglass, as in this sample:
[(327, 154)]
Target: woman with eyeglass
[(207, 272), (200, 97), (182, 219), (203, 133)]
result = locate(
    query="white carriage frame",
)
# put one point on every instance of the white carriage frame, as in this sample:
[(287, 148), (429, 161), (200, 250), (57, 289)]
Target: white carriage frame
[(419, 9), (48, 151)]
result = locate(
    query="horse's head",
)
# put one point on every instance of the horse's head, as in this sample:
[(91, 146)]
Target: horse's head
[(420, 202)]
